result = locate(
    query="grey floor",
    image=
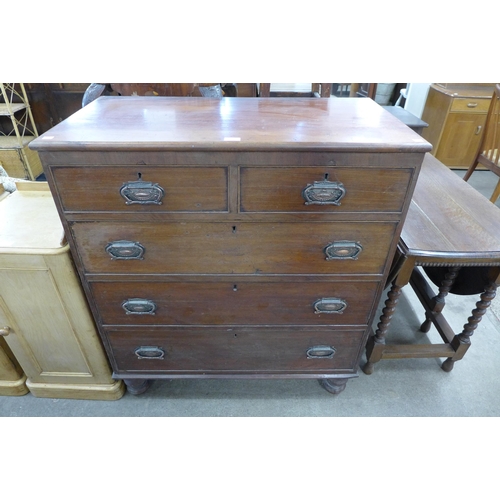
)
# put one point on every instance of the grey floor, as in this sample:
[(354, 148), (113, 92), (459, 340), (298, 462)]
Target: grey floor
[(397, 388)]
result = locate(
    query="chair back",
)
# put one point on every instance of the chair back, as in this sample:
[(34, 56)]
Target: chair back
[(489, 149)]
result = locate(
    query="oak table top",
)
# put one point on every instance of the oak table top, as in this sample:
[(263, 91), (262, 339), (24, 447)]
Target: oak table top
[(449, 218)]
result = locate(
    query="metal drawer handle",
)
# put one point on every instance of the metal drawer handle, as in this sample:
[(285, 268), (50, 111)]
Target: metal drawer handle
[(478, 129), (150, 352), (330, 305), (142, 193), (125, 250), (320, 352), (343, 250), (472, 104), (5, 330), (323, 193), (139, 306)]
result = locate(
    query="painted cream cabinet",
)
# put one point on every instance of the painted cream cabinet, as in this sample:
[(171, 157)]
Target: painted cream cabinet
[(44, 317)]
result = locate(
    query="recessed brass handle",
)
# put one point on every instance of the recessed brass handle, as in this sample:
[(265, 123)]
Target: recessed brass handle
[(330, 305), (343, 250), (5, 330), (472, 104), (323, 193), (139, 306), (125, 250), (142, 193), (149, 352), (320, 352)]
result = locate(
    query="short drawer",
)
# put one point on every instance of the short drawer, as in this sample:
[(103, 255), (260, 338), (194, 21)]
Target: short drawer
[(239, 350), (323, 189), (235, 302), (227, 248), (470, 105), (142, 189)]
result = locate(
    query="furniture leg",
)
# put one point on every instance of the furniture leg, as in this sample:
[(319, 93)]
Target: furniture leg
[(462, 341), (470, 170), (137, 386), (376, 343), (333, 385), (439, 300), (496, 193)]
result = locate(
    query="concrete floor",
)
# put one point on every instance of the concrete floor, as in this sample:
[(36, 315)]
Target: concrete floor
[(397, 388)]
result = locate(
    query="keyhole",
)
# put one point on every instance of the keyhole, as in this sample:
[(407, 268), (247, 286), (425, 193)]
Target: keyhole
[(235, 288), (234, 229), (326, 176), (139, 175)]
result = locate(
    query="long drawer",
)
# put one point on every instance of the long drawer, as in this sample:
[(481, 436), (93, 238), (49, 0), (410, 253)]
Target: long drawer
[(201, 351), (227, 248), (323, 189), (234, 303)]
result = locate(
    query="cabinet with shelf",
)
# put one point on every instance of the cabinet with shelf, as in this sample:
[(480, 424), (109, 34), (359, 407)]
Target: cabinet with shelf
[(456, 114), (17, 130)]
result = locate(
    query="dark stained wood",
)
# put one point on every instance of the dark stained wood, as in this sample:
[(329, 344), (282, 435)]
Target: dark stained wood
[(449, 227), (239, 248), (234, 259), (176, 123), (237, 350), (238, 303), (279, 189), (193, 189), (52, 103), (449, 219)]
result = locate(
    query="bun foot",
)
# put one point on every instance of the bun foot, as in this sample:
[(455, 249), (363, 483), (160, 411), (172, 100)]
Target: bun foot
[(426, 326), (137, 386), (333, 385), (368, 368), (447, 365)]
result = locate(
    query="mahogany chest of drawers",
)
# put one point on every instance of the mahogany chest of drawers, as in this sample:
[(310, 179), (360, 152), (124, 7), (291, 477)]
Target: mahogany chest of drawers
[(232, 237)]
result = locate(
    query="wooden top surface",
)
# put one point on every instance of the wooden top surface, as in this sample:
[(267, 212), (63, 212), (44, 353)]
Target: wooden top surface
[(29, 222), (449, 218), (466, 90), (162, 123)]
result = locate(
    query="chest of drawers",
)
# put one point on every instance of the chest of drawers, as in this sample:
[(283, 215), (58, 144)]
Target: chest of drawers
[(232, 237)]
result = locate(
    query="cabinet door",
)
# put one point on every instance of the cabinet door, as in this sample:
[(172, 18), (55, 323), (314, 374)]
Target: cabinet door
[(460, 139)]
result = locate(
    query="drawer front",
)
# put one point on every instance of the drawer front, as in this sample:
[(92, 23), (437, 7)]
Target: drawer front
[(323, 189), (470, 105), (235, 350), (141, 189), (234, 303), (227, 248)]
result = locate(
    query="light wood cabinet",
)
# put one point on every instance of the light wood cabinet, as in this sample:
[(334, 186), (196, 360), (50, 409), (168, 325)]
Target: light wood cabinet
[(44, 317), (12, 377), (456, 114)]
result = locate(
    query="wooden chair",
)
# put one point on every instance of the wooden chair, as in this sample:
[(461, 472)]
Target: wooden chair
[(488, 154), (317, 90)]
